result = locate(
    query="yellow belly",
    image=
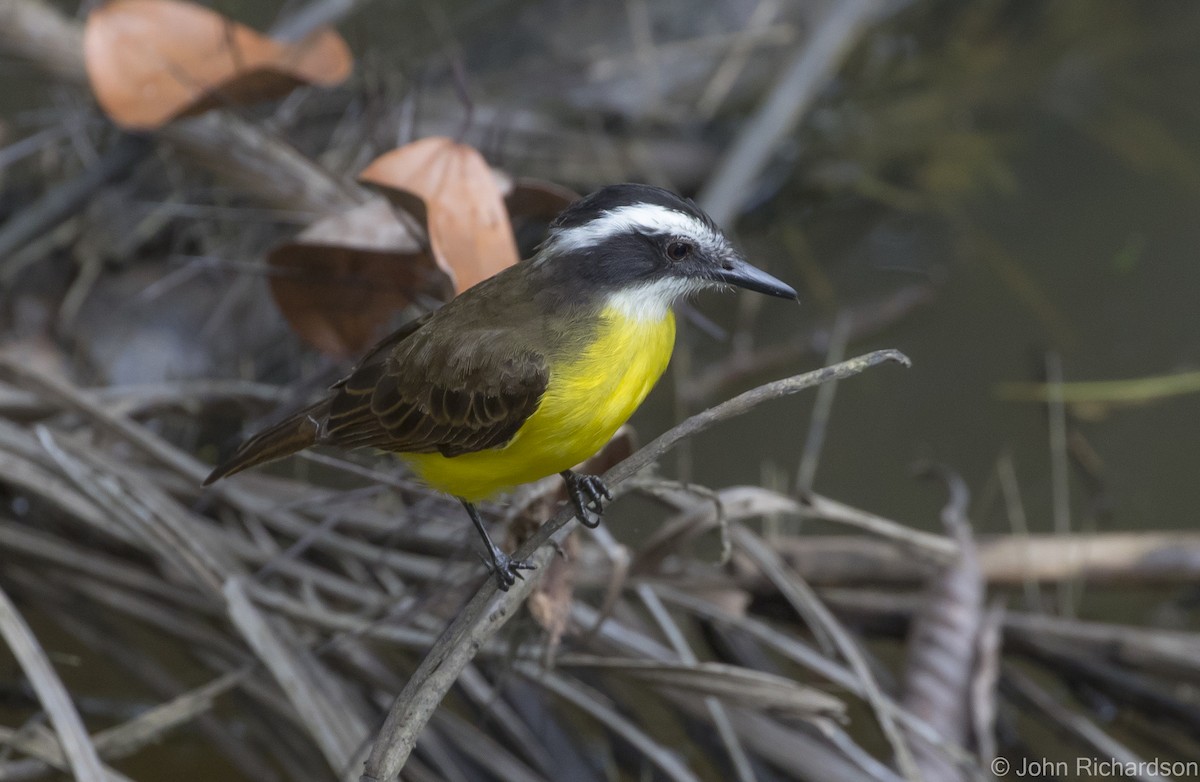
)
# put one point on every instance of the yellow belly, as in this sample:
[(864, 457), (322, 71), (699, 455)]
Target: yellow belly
[(589, 396)]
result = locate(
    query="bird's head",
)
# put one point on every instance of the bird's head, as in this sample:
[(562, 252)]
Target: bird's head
[(644, 247)]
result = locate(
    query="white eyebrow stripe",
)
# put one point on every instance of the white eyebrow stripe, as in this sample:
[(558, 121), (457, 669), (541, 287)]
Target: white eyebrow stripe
[(644, 218)]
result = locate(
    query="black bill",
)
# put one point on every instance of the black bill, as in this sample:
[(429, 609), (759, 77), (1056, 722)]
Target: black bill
[(738, 272)]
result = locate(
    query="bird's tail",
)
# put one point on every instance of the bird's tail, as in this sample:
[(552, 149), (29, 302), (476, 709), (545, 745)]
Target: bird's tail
[(292, 434)]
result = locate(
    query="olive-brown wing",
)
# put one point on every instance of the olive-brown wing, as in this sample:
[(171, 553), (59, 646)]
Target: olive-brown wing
[(467, 393)]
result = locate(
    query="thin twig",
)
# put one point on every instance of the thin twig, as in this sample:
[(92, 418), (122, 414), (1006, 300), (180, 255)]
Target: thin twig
[(1006, 472), (666, 761), (810, 457), (1084, 732), (1059, 469), (76, 743), (816, 59), (326, 709), (809, 606), (720, 717)]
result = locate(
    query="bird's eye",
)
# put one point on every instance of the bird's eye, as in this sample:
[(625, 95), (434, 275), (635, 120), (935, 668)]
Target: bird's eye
[(677, 251)]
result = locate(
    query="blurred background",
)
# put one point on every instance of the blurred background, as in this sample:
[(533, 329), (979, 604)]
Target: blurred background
[(1004, 191)]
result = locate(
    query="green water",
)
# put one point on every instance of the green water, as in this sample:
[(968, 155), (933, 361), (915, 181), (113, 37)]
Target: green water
[(1067, 158)]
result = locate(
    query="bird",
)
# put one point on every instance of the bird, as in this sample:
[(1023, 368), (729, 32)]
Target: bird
[(531, 371)]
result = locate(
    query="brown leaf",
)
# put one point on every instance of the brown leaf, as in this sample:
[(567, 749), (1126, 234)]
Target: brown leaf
[(469, 229), (550, 603), (152, 61), (537, 198), (341, 280), (943, 640)]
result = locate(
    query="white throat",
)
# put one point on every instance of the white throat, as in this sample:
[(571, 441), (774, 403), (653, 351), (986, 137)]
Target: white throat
[(650, 303)]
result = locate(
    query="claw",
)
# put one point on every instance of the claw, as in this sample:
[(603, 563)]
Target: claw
[(593, 486), (507, 570), (503, 567)]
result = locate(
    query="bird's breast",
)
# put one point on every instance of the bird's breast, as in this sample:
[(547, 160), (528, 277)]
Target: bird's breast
[(592, 391), (591, 394)]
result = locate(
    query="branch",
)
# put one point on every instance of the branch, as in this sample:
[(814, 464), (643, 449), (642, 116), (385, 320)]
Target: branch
[(1147, 558), (813, 66), (76, 744), (484, 616)]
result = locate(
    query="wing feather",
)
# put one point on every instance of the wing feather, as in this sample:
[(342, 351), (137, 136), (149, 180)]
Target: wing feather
[(428, 394)]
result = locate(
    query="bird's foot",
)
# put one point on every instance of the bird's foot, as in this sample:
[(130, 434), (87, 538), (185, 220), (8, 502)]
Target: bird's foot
[(588, 494), (506, 569)]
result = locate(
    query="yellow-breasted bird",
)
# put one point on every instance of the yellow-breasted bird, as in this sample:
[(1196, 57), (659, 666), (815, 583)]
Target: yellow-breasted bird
[(532, 371)]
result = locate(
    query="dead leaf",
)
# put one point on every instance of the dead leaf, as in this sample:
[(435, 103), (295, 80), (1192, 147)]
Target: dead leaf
[(537, 198), (152, 61), (943, 640), (341, 280), (469, 229), (550, 603)]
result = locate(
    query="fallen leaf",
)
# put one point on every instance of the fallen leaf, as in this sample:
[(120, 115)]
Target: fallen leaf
[(153, 61), (537, 198), (550, 603), (343, 279), (944, 640), (469, 229)]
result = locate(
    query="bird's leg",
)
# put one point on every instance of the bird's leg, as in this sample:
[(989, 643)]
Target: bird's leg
[(588, 493), (506, 569)]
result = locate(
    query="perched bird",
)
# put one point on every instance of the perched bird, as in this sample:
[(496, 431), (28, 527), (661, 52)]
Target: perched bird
[(531, 371)]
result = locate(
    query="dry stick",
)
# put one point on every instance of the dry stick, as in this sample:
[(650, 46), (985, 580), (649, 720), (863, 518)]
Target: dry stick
[(72, 398), (716, 710), (1170, 653), (1059, 470), (802, 654), (926, 546), (869, 317), (1148, 558), (38, 32), (480, 618), (802, 597), (1006, 472), (64, 200), (151, 726), (53, 550), (40, 745), (822, 409), (588, 701), (308, 17), (484, 750), (328, 713), (795, 91), (516, 734), (189, 468), (21, 405), (1078, 727), (735, 59), (72, 735)]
